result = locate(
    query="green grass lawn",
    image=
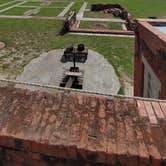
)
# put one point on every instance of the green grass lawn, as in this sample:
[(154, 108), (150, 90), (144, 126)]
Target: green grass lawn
[(60, 4), (139, 8), (8, 5), (100, 25), (49, 12), (4, 1), (76, 7), (26, 39), (32, 4), (16, 11)]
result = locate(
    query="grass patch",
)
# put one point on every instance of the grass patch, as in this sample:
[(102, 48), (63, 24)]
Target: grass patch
[(100, 25), (76, 7), (26, 39), (49, 12), (138, 8), (4, 1), (8, 5), (32, 4), (59, 4), (91, 14), (16, 11)]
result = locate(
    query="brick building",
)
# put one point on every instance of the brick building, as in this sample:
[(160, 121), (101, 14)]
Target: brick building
[(150, 59)]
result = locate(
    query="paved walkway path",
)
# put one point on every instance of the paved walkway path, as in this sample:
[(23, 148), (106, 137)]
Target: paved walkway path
[(82, 10), (33, 17), (103, 20), (99, 74), (93, 34), (4, 4), (62, 14), (12, 6), (26, 6)]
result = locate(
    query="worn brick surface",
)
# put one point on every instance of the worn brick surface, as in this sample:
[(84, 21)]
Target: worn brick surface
[(38, 128)]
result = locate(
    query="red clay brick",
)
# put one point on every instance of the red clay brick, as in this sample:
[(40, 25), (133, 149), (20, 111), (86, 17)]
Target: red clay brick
[(77, 126), (121, 135), (111, 133), (142, 148), (151, 114), (152, 148), (132, 145), (142, 109), (157, 110), (163, 107)]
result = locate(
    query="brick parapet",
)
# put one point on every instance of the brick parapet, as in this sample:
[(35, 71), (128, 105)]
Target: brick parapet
[(153, 43), (44, 128)]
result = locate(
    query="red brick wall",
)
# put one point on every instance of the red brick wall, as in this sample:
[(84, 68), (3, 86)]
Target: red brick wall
[(39, 128), (152, 43)]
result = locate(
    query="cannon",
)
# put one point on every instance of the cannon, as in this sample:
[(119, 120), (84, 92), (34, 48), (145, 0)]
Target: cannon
[(80, 53), (73, 77)]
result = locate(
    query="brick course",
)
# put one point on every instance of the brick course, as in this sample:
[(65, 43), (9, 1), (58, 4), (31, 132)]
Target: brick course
[(38, 128)]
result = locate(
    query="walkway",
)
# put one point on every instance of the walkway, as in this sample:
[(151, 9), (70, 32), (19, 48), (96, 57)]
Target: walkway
[(62, 14), (81, 11), (10, 7), (33, 17), (103, 20)]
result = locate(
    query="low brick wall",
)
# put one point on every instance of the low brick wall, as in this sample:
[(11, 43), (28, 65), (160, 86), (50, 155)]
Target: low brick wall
[(153, 43), (39, 128)]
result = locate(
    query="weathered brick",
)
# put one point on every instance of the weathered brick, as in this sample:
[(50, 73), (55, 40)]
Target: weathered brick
[(151, 114), (163, 107), (121, 134), (142, 109), (7, 140), (157, 110), (66, 127), (142, 148), (151, 145), (132, 144)]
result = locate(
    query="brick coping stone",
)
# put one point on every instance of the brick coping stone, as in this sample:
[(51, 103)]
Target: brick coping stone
[(91, 128)]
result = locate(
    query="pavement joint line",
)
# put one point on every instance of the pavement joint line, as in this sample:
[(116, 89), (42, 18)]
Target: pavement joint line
[(26, 6), (103, 20), (4, 4), (32, 17), (67, 8), (111, 35), (78, 90), (12, 6)]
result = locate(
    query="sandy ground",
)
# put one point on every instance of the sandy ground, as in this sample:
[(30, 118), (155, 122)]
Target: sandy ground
[(99, 75)]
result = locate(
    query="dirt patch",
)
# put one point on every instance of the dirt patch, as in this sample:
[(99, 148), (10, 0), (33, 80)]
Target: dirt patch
[(100, 25), (2, 45)]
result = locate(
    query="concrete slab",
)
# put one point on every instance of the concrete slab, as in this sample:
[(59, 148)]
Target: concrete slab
[(99, 75), (66, 10), (81, 11), (103, 20), (10, 7)]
